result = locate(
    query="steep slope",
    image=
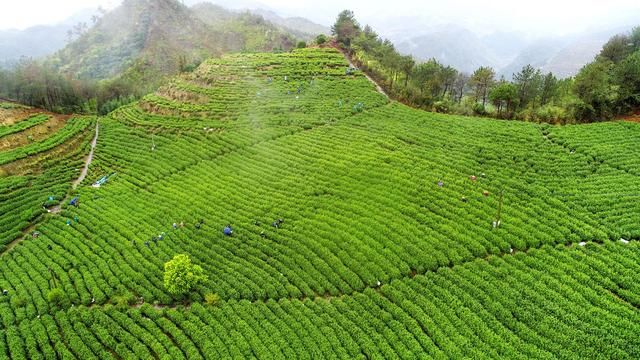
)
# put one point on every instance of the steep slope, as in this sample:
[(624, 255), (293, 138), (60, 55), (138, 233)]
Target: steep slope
[(360, 229), (39, 156), (158, 37)]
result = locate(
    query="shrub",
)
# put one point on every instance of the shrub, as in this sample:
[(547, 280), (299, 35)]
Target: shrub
[(211, 299), (321, 39), (442, 106), (478, 109), (180, 275), (551, 114), (56, 297)]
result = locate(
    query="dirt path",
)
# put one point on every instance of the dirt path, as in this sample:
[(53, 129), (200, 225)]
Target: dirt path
[(56, 209), (89, 158), (378, 87), (83, 174)]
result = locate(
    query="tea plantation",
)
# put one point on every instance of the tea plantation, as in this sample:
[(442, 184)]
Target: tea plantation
[(362, 228)]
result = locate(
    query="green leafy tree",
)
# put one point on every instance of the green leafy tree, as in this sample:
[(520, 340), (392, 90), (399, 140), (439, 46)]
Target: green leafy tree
[(617, 48), (459, 86), (634, 37), (503, 96), (301, 45), (549, 88), (180, 275), (407, 64), (346, 28), (527, 82), (321, 39), (391, 60), (627, 75), (426, 77), (482, 80), (447, 77), (597, 93)]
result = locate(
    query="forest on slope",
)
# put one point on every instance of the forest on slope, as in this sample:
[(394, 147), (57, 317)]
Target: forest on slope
[(604, 89)]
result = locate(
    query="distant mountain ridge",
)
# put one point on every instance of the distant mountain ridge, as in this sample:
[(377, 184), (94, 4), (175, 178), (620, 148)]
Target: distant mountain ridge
[(297, 25), (37, 41), (451, 45), (507, 53), (159, 37), (44, 40)]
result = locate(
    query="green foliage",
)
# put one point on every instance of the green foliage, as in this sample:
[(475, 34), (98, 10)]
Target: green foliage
[(594, 87), (595, 94), (23, 125), (627, 74), (504, 97), (57, 298), (370, 252), (479, 109), (180, 275), (346, 28), (552, 114), (616, 49), (73, 127), (301, 45), (443, 106), (527, 82), (211, 299), (321, 39), (482, 80), (41, 85)]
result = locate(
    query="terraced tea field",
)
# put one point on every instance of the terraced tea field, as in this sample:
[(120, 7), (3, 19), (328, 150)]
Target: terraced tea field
[(361, 228)]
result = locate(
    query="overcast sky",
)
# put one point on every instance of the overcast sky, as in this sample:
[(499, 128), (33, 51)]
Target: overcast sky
[(539, 17)]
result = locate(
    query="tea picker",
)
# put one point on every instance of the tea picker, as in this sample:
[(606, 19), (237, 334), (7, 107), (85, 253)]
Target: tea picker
[(496, 223), (276, 224), (228, 231)]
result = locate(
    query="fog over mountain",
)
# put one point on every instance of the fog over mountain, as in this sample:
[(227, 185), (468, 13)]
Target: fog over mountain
[(461, 33), (39, 40)]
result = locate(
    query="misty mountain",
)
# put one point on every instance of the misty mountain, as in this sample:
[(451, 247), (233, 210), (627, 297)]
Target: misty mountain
[(563, 56), (218, 17), (451, 45), (37, 41), (299, 26), (152, 38), (536, 54), (507, 53)]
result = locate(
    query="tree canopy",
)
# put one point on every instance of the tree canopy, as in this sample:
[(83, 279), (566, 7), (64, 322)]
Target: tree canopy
[(181, 275)]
